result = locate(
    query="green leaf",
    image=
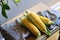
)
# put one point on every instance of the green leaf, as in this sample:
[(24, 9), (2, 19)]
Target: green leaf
[(5, 6), (17, 1), (4, 13)]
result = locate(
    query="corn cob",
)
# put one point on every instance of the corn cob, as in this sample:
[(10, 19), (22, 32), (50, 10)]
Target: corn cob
[(45, 20), (37, 21), (33, 22), (31, 27)]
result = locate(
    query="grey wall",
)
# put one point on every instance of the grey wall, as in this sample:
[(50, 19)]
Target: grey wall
[(15, 10)]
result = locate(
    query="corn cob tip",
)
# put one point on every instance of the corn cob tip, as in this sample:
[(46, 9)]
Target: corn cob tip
[(27, 11), (24, 14), (51, 22), (21, 18), (39, 34)]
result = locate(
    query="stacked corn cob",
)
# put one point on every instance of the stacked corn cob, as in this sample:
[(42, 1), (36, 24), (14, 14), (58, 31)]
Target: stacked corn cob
[(30, 26), (46, 20), (34, 22), (37, 21)]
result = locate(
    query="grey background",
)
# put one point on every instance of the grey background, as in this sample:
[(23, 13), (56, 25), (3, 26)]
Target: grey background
[(23, 5)]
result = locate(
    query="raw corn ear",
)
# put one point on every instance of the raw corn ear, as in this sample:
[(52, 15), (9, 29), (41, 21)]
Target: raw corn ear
[(46, 20), (31, 27), (38, 22), (32, 21)]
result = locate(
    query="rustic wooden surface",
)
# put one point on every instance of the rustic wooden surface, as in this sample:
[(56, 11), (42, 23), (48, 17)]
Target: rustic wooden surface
[(55, 36)]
